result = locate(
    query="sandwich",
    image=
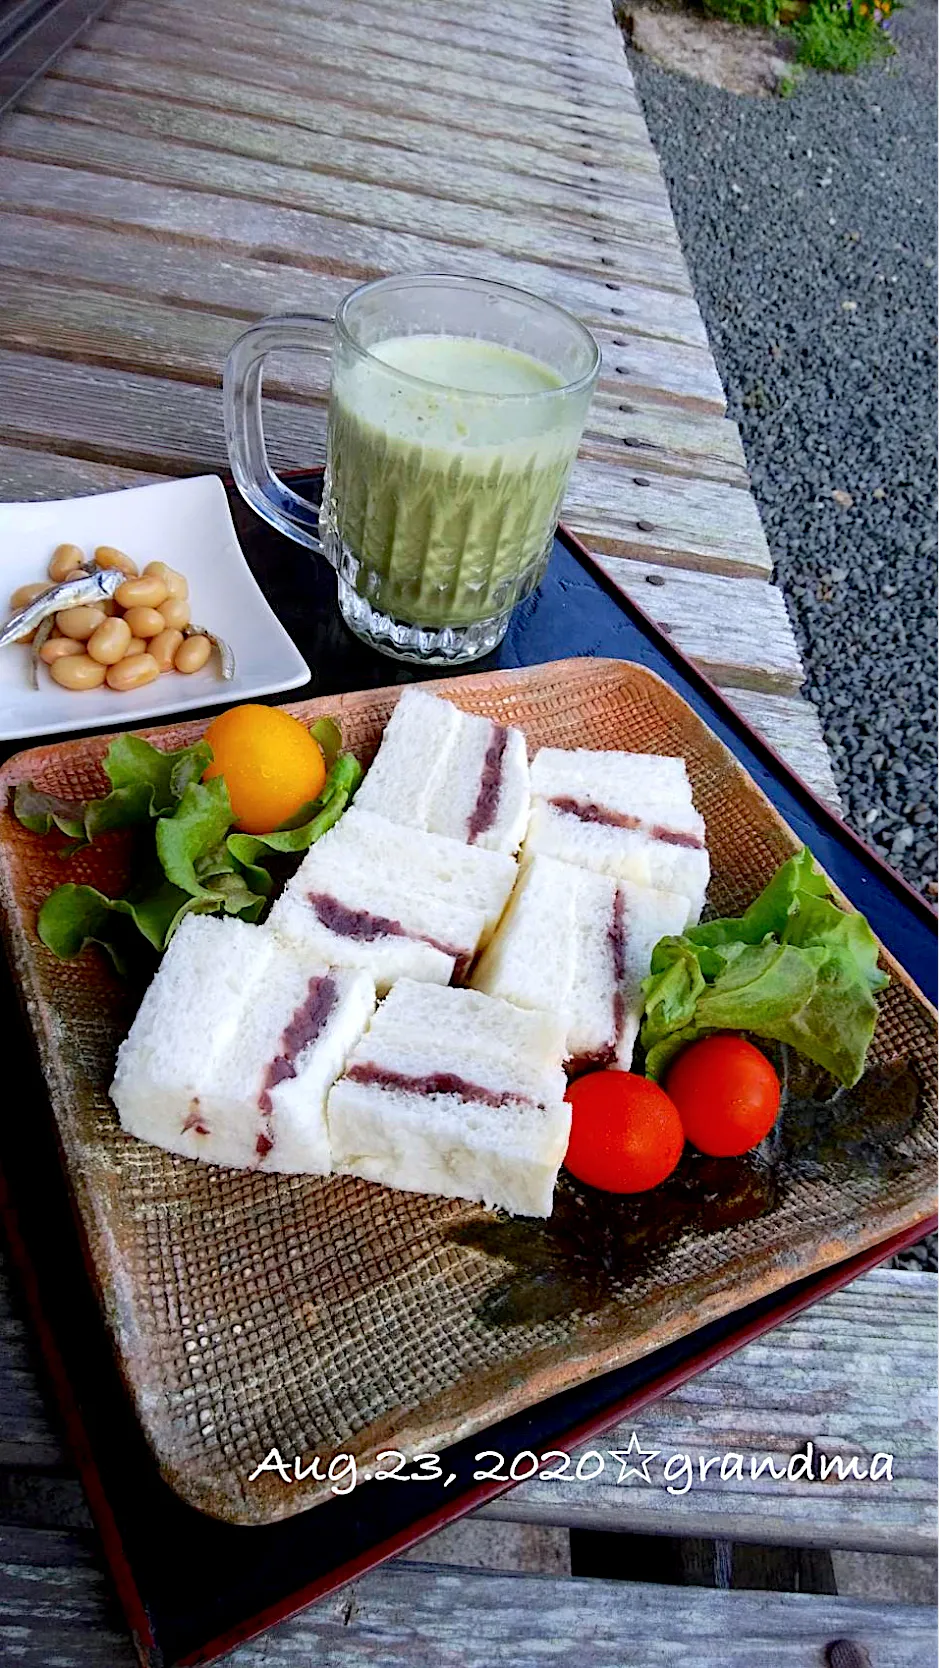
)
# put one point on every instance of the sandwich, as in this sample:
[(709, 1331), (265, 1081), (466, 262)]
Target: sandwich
[(450, 772), (453, 1092), (396, 901), (235, 1046), (579, 944), (629, 815)]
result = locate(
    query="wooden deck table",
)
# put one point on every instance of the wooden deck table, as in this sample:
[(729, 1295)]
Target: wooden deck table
[(181, 171)]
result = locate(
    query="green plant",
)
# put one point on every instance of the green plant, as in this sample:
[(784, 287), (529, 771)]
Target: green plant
[(836, 35), (753, 14), (843, 35)]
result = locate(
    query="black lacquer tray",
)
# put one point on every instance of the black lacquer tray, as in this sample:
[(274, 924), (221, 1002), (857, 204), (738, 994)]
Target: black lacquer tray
[(192, 1586)]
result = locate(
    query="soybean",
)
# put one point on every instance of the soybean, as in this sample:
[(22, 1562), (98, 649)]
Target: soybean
[(59, 648), (163, 648), (25, 594), (133, 673), (108, 556), (65, 559), (78, 671), (192, 654), (80, 622), (176, 583), (145, 622), (146, 592), (137, 645), (176, 613), (110, 642)]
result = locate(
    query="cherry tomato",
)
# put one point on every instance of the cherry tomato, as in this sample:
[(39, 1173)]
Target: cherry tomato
[(626, 1135), (727, 1095)]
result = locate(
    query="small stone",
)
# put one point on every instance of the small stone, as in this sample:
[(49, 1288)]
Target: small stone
[(872, 815), (843, 498), (654, 579), (641, 480), (888, 590), (838, 575), (646, 526), (878, 492)]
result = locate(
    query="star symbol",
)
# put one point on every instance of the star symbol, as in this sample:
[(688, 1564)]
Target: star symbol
[(644, 1455)]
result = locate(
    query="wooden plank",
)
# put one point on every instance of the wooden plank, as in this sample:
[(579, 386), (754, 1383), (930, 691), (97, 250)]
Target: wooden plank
[(665, 439), (123, 263), (331, 42), (327, 158), (454, 229), (856, 1374), (176, 428), (688, 523), (54, 1604), (340, 35), (305, 243), (414, 161), (528, 39), (280, 90), (575, 135), (28, 475), (794, 730), (663, 432), (152, 335), (120, 264), (740, 638)]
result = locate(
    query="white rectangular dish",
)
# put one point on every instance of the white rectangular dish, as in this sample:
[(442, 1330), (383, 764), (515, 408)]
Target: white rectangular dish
[(186, 523)]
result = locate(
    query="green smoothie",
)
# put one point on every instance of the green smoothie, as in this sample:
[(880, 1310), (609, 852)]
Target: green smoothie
[(446, 496)]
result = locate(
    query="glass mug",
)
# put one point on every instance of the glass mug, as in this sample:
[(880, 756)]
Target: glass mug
[(455, 412)]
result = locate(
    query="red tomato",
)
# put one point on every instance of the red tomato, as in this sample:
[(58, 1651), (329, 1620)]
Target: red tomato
[(727, 1095), (626, 1135)]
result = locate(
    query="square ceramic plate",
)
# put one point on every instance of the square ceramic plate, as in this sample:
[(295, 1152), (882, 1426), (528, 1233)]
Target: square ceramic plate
[(185, 523), (322, 1315)]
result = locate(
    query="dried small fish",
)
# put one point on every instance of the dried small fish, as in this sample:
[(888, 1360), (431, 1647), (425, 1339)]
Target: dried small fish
[(96, 585), (225, 652), (43, 631)]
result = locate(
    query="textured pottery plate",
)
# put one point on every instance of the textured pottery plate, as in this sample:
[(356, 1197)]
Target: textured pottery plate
[(329, 1315), (185, 523)]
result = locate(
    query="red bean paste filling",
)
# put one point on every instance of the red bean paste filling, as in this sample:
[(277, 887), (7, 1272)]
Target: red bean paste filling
[(434, 1083), (490, 785), (586, 811), (303, 1029), (362, 925), (616, 937)]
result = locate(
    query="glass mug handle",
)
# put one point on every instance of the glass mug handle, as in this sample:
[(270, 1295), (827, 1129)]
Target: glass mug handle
[(257, 482)]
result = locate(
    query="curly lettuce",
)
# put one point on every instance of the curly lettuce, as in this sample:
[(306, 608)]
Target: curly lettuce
[(194, 859), (794, 967)]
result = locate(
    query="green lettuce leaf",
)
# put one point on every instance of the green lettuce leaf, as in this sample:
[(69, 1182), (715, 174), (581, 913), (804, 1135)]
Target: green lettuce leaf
[(194, 861), (74, 916), (303, 830), (794, 967), (197, 826), (145, 783), (328, 737)]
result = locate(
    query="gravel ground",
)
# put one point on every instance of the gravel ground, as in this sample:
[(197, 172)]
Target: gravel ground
[(808, 225)]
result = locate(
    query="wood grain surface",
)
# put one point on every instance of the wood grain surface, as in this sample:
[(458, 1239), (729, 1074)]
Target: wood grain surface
[(55, 1605), (168, 182)]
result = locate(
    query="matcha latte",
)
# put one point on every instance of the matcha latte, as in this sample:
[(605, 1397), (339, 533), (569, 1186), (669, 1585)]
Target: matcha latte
[(456, 407), (444, 482)]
